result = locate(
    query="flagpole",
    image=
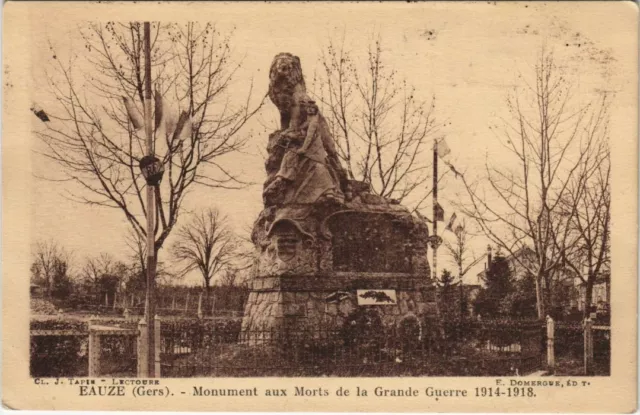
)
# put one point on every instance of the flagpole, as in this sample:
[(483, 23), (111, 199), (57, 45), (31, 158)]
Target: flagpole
[(461, 290), (434, 274)]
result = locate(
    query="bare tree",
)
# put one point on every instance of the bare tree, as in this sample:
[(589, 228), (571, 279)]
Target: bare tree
[(97, 267), (48, 258), (229, 277), (523, 202), (380, 126), (460, 251), (207, 244), (99, 145), (137, 250), (103, 271), (590, 256), (138, 261)]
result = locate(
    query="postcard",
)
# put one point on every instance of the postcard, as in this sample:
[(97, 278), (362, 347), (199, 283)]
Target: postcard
[(341, 207)]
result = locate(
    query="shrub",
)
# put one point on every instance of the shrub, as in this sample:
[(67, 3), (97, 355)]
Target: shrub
[(56, 356)]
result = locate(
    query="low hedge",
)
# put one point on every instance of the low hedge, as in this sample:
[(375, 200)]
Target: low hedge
[(59, 324)]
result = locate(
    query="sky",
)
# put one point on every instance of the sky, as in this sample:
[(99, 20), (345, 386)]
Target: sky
[(468, 56)]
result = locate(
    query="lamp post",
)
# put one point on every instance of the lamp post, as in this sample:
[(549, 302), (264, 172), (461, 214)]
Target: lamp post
[(152, 170)]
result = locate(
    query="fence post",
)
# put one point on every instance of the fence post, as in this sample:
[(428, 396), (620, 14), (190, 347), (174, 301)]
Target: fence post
[(200, 306), (588, 346), (143, 354), (551, 356), (157, 327), (94, 351)]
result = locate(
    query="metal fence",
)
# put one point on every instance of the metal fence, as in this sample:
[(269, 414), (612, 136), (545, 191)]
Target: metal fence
[(497, 347), (217, 347), (118, 355), (569, 340), (601, 350), (570, 349), (602, 345), (67, 352), (455, 348)]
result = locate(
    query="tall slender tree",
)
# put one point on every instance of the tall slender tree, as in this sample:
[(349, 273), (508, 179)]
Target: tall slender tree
[(98, 140), (527, 200), (382, 128), (589, 258)]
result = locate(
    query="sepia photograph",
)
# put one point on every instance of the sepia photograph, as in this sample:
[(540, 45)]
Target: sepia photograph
[(323, 192)]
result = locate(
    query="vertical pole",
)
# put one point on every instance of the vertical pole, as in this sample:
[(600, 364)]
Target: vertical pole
[(551, 357), (151, 210), (588, 346), (462, 299), (200, 305), (143, 352), (157, 345), (94, 353), (435, 210), (434, 237)]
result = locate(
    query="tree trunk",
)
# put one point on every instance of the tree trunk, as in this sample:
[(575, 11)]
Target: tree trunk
[(207, 292), (588, 297), (547, 300), (49, 282), (540, 299)]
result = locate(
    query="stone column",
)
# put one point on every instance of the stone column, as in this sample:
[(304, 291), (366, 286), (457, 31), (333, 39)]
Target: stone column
[(588, 346), (551, 357), (157, 336), (94, 352), (143, 354)]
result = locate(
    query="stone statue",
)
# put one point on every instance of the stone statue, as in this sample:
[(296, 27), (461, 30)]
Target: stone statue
[(288, 92), (287, 89), (306, 174)]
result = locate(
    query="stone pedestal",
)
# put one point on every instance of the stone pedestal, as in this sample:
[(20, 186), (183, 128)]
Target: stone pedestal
[(312, 269), (308, 303)]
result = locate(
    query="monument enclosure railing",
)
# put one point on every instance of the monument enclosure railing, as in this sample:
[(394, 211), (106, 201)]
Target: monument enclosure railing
[(210, 347)]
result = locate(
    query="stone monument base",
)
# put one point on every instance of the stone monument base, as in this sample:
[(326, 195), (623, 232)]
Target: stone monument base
[(295, 304)]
